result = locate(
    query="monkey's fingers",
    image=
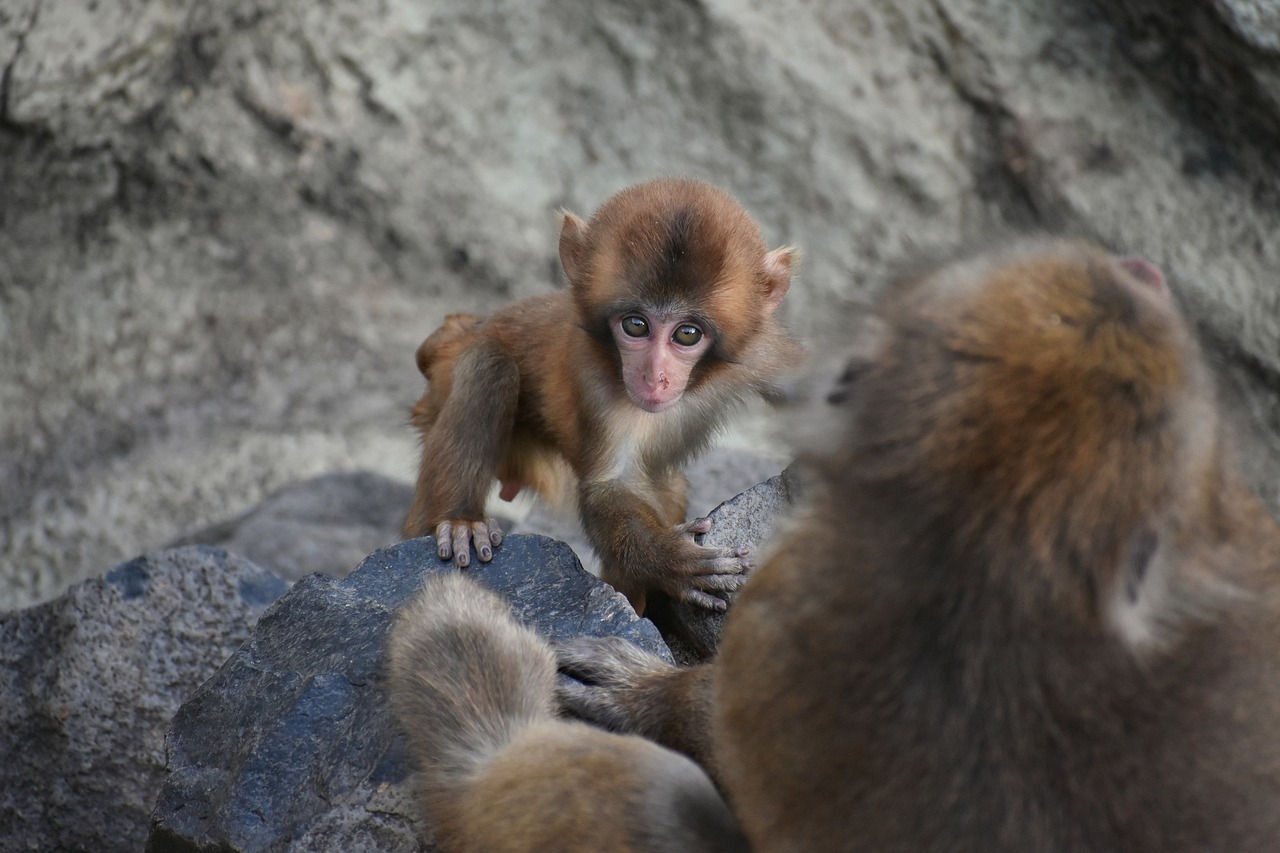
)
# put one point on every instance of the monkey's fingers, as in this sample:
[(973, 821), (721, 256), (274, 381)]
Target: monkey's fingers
[(454, 539), (701, 599), (462, 544), (444, 541), (481, 535), (719, 570), (697, 527), (598, 674)]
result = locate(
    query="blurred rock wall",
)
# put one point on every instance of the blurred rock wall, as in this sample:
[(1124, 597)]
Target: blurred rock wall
[(225, 227)]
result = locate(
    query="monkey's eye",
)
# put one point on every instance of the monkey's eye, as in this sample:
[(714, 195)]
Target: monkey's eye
[(635, 327), (687, 335)]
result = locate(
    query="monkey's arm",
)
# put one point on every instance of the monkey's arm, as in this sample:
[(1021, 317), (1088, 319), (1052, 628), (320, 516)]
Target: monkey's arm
[(614, 684), (640, 553), (467, 419)]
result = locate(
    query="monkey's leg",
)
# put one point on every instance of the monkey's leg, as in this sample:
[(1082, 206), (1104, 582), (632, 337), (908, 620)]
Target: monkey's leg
[(461, 452), (614, 684)]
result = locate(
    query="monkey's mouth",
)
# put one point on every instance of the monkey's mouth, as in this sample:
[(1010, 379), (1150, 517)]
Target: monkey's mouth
[(654, 405)]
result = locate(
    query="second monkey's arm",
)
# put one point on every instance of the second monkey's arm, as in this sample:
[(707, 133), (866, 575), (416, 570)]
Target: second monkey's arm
[(641, 554), (614, 684)]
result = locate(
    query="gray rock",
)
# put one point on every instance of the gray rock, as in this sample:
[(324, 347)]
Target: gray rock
[(90, 681), (326, 524), (693, 633), (291, 747)]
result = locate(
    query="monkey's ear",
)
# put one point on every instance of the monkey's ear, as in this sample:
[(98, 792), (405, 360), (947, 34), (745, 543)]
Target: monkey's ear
[(777, 270), (573, 247)]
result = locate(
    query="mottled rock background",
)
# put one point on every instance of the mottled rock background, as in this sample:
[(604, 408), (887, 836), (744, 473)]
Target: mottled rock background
[(225, 227)]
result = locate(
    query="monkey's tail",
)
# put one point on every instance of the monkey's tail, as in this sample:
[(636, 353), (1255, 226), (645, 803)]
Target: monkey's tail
[(465, 677)]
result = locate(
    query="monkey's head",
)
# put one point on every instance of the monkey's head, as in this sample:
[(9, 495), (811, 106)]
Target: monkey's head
[(1038, 420), (672, 282)]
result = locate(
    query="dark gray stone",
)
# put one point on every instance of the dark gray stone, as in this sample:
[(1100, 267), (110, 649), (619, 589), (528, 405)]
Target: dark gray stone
[(326, 524), (89, 683), (291, 747), (693, 633)]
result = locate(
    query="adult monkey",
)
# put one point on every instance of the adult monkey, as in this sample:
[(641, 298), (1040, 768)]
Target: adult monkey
[(669, 321), (1030, 605)]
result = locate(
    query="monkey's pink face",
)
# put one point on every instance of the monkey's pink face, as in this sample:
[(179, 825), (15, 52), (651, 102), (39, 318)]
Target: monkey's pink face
[(658, 354)]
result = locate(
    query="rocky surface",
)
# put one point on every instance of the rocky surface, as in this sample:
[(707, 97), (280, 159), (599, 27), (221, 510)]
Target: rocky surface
[(89, 683), (326, 524), (228, 226), (291, 746)]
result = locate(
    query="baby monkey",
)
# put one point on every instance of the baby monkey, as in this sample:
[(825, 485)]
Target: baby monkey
[(668, 322), (1030, 604), (475, 691)]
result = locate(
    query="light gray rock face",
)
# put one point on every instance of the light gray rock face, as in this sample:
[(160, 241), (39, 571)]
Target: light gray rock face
[(229, 225), (327, 524), (291, 746), (89, 683)]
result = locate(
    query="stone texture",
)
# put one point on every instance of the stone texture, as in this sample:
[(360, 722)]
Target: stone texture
[(291, 747), (228, 225), (326, 524), (90, 680)]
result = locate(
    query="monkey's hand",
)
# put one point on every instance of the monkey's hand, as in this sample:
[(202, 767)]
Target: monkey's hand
[(610, 682), (454, 537), (603, 673), (690, 571)]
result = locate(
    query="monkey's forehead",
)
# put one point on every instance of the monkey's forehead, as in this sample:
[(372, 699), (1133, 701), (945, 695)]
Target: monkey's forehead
[(1041, 282)]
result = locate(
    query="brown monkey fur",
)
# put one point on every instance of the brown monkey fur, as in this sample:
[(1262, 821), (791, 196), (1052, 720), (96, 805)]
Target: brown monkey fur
[(475, 691), (668, 322), (1030, 604)]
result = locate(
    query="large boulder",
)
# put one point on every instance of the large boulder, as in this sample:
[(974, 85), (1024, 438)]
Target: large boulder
[(89, 683), (228, 225), (291, 746)]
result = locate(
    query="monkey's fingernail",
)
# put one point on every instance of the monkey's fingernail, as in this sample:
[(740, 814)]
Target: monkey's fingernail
[(444, 553), (486, 554)]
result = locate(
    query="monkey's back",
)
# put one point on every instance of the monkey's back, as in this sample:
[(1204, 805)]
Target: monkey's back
[(839, 732), (1030, 606)]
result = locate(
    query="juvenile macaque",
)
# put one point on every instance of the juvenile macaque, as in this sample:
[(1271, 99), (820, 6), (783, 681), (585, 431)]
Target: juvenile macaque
[(475, 691), (667, 324), (1029, 606)]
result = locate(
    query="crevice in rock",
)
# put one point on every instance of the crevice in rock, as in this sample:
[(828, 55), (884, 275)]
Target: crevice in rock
[(6, 74), (1186, 47)]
